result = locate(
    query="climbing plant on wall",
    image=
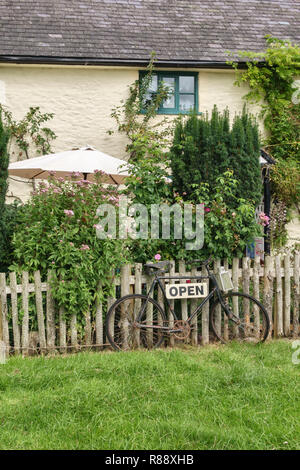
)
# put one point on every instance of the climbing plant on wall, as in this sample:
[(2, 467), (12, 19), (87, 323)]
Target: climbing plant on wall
[(273, 79)]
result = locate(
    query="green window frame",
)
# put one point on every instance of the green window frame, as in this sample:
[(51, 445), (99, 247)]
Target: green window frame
[(180, 101)]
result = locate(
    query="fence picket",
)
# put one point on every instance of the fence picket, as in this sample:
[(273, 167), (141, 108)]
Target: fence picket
[(50, 315), (194, 324), (99, 317), (88, 329), (296, 286), (3, 300), (170, 315), (205, 316), (235, 282), (218, 319), (268, 289), (39, 310), (278, 318), (73, 331), (256, 292), (25, 308), (62, 331), (287, 295), (14, 312)]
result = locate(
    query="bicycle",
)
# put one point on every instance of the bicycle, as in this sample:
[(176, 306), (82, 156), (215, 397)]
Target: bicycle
[(139, 321)]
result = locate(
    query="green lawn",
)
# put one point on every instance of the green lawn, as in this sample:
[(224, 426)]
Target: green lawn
[(217, 397)]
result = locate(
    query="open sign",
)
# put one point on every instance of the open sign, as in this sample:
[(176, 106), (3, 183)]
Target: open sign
[(186, 291)]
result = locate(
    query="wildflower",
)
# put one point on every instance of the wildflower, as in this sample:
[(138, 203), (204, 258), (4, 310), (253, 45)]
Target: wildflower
[(71, 244), (157, 257), (233, 214), (69, 213), (84, 247), (207, 209)]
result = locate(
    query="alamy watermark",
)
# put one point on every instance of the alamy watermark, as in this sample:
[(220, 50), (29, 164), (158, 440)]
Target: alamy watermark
[(296, 94), (160, 221), (296, 354)]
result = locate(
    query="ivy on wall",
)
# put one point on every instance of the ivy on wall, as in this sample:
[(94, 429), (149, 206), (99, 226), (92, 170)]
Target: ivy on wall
[(273, 78)]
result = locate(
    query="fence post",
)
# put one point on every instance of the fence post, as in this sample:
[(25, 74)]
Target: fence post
[(205, 314), (296, 294), (25, 321), (14, 312), (39, 310), (50, 307), (125, 290), (278, 320), (287, 296), (99, 318), (268, 289), (194, 325)]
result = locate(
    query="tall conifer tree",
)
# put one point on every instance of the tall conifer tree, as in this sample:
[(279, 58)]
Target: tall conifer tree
[(204, 148)]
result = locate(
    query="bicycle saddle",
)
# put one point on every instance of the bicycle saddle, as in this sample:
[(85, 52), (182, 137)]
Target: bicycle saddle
[(162, 266)]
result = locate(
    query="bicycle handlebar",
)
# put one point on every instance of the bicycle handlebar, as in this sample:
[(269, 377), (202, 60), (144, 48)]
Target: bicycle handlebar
[(200, 262)]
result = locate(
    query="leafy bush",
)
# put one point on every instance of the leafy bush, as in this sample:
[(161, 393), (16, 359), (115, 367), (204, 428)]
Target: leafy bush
[(229, 221), (271, 77), (57, 230)]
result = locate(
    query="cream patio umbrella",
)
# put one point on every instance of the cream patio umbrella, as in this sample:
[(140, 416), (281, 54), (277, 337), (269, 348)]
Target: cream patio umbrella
[(83, 162)]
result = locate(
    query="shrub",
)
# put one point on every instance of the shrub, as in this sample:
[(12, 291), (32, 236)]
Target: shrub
[(57, 230), (204, 148)]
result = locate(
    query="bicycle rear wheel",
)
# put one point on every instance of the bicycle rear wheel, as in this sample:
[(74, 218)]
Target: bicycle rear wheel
[(254, 323), (123, 330)]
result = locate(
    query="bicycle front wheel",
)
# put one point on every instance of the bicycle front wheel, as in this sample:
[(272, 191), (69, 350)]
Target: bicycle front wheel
[(253, 323), (127, 329)]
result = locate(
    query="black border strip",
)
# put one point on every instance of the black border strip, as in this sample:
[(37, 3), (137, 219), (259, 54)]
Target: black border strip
[(16, 59)]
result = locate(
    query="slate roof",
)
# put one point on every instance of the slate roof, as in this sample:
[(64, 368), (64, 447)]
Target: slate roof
[(126, 31)]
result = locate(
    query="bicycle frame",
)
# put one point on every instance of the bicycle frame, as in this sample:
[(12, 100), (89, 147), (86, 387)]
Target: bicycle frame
[(157, 281)]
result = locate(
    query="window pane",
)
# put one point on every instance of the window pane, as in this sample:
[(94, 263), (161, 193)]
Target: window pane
[(153, 84), (151, 92), (148, 98), (186, 84), (169, 102), (186, 102), (170, 83)]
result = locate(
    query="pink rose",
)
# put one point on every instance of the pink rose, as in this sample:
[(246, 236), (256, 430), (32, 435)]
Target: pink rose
[(84, 247), (157, 257), (69, 213)]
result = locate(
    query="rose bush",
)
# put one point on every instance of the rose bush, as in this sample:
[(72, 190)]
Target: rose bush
[(57, 230)]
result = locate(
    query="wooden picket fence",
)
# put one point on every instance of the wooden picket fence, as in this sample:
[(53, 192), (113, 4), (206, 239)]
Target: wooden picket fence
[(276, 283)]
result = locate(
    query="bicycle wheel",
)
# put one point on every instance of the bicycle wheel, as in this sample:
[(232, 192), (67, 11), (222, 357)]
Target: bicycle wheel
[(125, 333), (254, 323)]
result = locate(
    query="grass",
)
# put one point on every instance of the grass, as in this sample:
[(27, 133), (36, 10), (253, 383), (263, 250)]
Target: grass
[(217, 397)]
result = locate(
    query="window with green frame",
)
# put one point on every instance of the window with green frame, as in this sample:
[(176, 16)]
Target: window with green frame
[(183, 91)]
